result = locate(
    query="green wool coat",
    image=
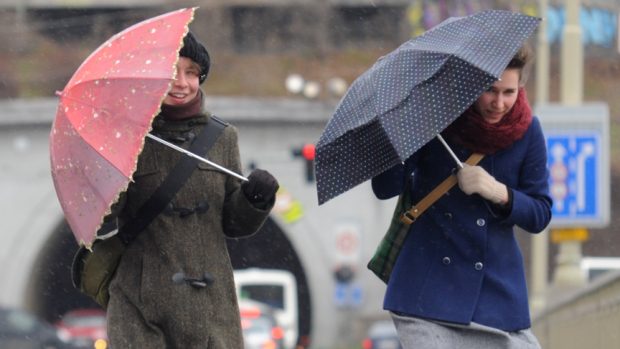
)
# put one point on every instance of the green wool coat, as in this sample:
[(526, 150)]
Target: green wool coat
[(147, 309)]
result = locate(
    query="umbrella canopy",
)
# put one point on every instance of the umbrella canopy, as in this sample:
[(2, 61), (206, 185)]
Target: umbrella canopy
[(412, 94), (104, 114)]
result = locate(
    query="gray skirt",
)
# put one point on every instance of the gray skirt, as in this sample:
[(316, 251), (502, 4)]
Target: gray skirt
[(416, 333)]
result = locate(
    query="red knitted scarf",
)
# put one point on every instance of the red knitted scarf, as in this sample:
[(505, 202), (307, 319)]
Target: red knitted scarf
[(471, 131)]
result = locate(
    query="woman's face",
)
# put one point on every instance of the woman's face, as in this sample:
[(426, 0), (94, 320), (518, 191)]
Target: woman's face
[(185, 85), (495, 102)]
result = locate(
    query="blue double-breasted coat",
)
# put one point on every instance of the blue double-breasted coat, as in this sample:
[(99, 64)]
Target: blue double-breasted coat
[(460, 261)]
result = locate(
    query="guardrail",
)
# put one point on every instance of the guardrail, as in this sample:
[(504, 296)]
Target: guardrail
[(587, 318)]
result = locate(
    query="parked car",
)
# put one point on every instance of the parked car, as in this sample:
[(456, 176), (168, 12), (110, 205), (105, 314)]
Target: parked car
[(259, 326), (84, 327), (278, 289), (593, 267), (382, 335), (22, 330)]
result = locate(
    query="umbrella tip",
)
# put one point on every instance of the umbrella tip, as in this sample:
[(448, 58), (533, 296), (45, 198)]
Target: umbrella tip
[(58, 93)]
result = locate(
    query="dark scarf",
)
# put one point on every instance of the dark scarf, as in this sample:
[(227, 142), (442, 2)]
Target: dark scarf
[(471, 131), (184, 111)]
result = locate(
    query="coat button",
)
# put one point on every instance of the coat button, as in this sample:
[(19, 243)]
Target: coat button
[(446, 260), (480, 222), (448, 215), (478, 266)]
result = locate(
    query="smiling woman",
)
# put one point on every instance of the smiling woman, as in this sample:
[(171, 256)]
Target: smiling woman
[(191, 70), (176, 269), (184, 87)]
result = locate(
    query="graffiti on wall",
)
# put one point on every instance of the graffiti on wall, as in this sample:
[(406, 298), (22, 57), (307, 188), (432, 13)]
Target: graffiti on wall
[(599, 26)]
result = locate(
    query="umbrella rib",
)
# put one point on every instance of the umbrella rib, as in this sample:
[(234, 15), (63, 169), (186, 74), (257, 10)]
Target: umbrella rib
[(82, 102), (63, 94)]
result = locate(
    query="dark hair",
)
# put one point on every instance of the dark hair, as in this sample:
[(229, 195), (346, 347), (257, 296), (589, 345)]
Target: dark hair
[(521, 61), (195, 51)]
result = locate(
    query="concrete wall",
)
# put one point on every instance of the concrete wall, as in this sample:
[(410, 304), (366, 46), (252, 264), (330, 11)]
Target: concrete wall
[(586, 318)]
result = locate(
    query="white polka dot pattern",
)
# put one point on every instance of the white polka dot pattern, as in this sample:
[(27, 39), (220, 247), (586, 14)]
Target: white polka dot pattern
[(412, 94)]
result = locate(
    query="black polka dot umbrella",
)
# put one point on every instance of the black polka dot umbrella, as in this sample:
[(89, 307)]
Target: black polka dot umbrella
[(412, 94)]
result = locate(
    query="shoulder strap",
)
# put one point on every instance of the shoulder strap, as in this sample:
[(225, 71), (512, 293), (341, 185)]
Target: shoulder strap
[(416, 210), (173, 181)]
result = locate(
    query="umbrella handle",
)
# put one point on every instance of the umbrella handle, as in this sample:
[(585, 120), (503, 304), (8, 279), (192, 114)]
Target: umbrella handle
[(456, 159), (197, 157)]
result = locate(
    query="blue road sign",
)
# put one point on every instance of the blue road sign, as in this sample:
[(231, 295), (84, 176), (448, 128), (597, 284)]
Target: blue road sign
[(573, 159), (348, 295), (578, 160)]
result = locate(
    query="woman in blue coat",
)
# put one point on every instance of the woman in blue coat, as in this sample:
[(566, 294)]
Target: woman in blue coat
[(459, 281)]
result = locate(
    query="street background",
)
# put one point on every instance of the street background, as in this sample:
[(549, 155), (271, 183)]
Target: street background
[(256, 45)]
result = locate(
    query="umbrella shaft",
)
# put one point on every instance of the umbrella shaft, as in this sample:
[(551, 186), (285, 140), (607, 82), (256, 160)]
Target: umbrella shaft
[(456, 159), (197, 157)]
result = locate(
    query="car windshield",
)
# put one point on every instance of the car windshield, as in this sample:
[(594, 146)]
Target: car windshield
[(17, 323), (256, 325), (383, 328), (269, 294), (84, 321)]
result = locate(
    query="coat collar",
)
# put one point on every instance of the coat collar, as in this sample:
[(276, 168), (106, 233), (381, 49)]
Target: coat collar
[(179, 131)]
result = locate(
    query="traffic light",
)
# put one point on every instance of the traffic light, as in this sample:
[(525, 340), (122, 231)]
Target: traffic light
[(307, 152), (344, 274)]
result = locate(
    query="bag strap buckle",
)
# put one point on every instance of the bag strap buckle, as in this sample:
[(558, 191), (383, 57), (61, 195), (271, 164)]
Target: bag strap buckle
[(410, 216)]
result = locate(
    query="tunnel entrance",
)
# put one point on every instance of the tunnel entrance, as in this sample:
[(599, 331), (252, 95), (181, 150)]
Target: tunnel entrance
[(269, 248), (50, 291)]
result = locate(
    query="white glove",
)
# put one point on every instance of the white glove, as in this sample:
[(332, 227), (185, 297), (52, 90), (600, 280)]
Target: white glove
[(475, 180)]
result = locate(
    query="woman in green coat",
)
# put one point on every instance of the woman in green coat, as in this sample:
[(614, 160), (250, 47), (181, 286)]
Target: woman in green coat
[(151, 305)]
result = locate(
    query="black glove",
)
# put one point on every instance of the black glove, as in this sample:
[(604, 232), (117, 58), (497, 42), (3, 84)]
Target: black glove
[(261, 187)]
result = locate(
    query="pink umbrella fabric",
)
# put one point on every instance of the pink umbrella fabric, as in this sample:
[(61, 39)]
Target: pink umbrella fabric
[(104, 113)]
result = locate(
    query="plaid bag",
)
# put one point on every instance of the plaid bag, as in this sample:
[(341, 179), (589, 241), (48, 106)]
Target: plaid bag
[(387, 252)]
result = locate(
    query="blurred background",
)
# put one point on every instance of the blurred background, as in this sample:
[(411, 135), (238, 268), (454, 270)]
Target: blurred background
[(278, 70)]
